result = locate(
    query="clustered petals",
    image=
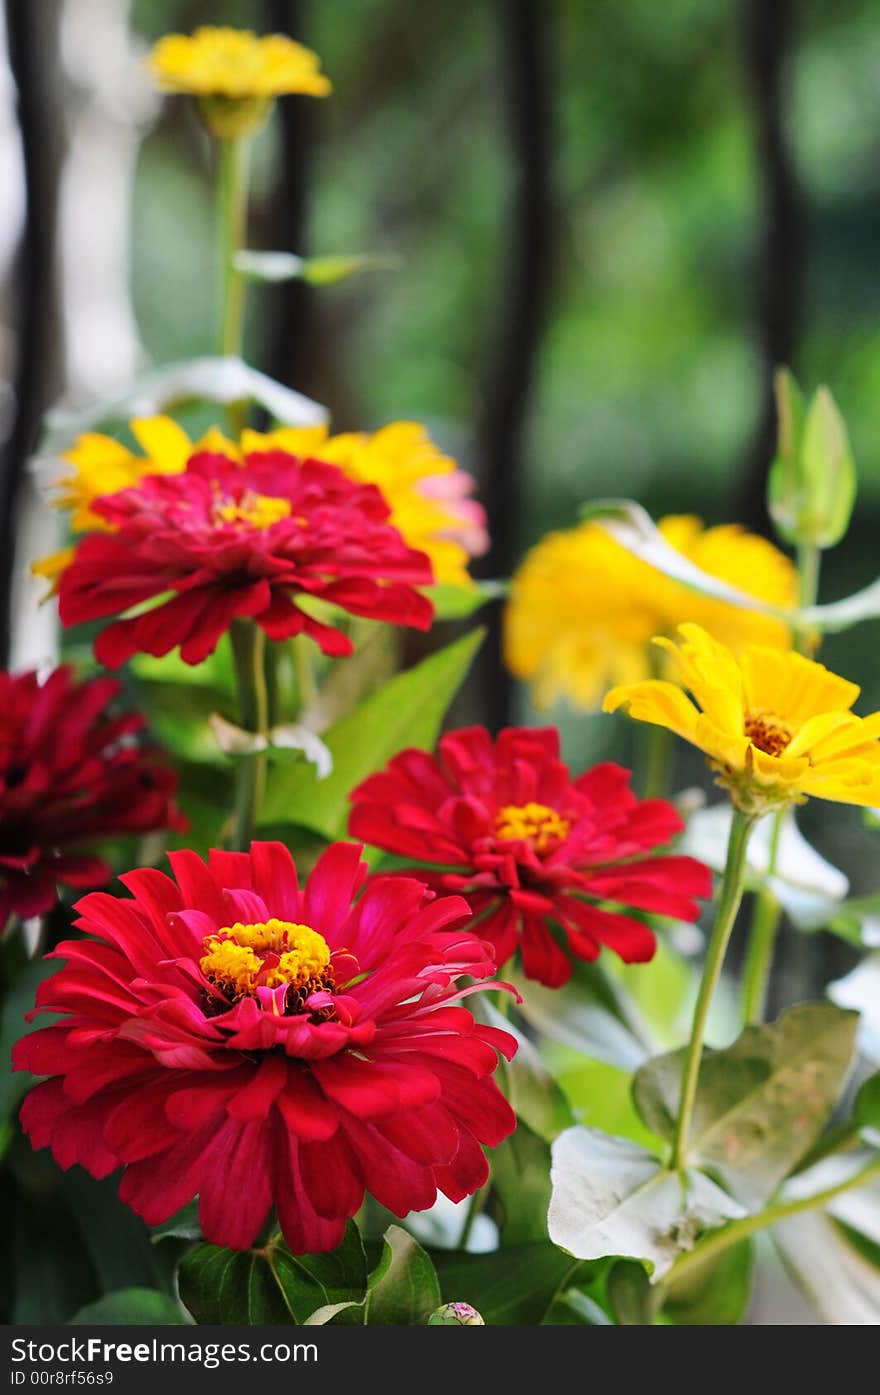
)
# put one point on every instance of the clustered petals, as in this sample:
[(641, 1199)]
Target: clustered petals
[(277, 1089), (776, 727), (70, 772), (219, 540), (504, 824)]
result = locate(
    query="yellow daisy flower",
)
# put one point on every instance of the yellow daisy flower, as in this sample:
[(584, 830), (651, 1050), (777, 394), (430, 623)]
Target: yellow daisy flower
[(427, 494), (234, 74), (583, 610), (775, 726)]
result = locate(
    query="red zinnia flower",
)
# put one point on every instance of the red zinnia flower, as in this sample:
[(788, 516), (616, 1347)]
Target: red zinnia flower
[(240, 540), (529, 846), (233, 1036), (69, 772)]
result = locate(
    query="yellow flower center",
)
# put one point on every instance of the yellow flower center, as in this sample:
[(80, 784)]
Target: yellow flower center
[(537, 823), (258, 510), (239, 959), (767, 732)]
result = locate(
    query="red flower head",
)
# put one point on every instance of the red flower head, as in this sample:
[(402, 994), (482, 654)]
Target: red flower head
[(234, 1036), (531, 846), (69, 772), (240, 540)]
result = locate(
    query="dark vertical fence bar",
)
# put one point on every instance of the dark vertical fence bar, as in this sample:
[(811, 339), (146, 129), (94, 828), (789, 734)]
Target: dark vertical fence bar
[(286, 354), (524, 35), (768, 33), (30, 57)]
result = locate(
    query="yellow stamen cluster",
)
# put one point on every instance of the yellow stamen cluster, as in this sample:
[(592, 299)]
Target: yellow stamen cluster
[(239, 958), (259, 510), (537, 823)]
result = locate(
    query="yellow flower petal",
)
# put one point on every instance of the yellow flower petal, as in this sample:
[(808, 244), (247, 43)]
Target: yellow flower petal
[(165, 444), (776, 727)]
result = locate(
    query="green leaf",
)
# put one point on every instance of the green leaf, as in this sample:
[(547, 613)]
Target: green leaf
[(407, 711), (18, 1001), (574, 1308), (715, 1292), (761, 1103), (866, 1110), (404, 1289), (612, 1197), (129, 1307), (521, 1182), (631, 1294), (529, 1086), (183, 1225), (270, 1285), (601, 1097), (590, 1013), (510, 1287), (461, 602)]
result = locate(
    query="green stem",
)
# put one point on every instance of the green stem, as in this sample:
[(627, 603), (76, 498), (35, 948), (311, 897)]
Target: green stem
[(762, 939), (475, 1206), (657, 755), (233, 195), (720, 1240), (809, 562), (249, 650), (728, 905)]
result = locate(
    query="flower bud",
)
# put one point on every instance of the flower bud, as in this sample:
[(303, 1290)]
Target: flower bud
[(812, 485), (455, 1315)]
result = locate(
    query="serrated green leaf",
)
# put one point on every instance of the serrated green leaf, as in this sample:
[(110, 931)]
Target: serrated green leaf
[(761, 1103), (407, 711), (404, 1289), (612, 1197), (270, 1285), (510, 1287), (129, 1307)]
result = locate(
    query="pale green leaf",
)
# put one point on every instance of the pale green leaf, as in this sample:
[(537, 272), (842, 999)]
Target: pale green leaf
[(761, 1103), (612, 1197)]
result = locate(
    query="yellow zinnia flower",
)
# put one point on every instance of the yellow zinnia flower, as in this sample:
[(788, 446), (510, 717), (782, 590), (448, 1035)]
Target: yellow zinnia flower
[(235, 74), (776, 727), (425, 490), (583, 609)]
